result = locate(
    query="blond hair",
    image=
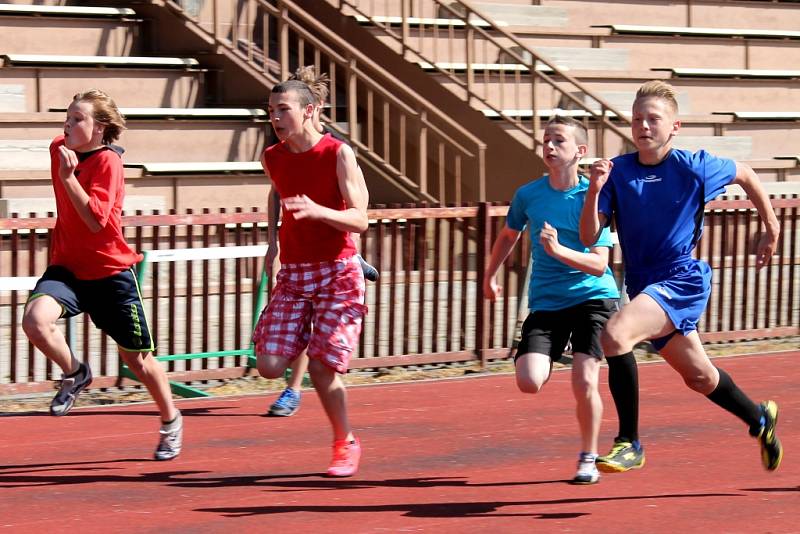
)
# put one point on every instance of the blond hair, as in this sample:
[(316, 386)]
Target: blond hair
[(105, 112), (317, 83), (659, 89), (581, 135)]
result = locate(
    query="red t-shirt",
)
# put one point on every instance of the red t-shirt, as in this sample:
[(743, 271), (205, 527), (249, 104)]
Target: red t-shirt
[(311, 173), (89, 255)]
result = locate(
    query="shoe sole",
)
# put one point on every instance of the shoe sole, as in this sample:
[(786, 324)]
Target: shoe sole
[(765, 458), (274, 414), (611, 468), (341, 475), (75, 398), (157, 459), (585, 482)]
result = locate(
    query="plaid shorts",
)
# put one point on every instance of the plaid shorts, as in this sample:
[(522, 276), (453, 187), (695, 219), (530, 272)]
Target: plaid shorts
[(328, 296)]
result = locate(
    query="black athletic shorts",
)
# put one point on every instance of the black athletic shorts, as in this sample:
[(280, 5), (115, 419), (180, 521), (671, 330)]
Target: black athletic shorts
[(114, 304), (548, 332)]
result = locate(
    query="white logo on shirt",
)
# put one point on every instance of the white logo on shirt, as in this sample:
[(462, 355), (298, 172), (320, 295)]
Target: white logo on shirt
[(651, 178)]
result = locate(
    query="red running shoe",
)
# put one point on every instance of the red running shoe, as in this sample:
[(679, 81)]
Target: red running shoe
[(346, 455)]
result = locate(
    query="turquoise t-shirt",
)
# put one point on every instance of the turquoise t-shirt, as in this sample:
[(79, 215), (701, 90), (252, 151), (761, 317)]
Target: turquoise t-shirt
[(555, 285)]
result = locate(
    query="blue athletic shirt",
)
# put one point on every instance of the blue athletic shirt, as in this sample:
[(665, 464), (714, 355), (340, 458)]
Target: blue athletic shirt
[(659, 208), (555, 285)]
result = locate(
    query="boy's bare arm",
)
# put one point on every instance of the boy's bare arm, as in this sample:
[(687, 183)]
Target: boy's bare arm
[(593, 262), (592, 222), (748, 179), (354, 192), (500, 250), (273, 216)]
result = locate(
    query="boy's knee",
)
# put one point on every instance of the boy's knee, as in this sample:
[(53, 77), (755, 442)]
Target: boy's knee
[(34, 326), (271, 366), (529, 385), (701, 383), (613, 340), (583, 387)]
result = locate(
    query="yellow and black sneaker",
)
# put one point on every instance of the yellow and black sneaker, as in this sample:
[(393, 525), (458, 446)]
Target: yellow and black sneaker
[(771, 449), (623, 456)]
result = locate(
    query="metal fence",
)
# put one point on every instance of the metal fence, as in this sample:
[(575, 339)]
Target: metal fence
[(427, 306)]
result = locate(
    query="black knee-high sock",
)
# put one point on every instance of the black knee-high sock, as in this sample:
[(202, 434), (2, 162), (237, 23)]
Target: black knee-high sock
[(728, 396), (623, 381)]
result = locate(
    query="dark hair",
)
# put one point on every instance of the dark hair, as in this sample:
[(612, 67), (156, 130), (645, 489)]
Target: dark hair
[(104, 111), (304, 94), (317, 84), (581, 135)]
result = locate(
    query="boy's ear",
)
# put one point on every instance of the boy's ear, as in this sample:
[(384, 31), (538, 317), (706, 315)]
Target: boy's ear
[(583, 150), (675, 127), (309, 112)]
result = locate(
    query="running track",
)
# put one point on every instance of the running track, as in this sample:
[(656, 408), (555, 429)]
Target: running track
[(467, 455)]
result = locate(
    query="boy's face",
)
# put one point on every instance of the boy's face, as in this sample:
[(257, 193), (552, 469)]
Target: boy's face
[(653, 124), (560, 147), (81, 132), (287, 114)]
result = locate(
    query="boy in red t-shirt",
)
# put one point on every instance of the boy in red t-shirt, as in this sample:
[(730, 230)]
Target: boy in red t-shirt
[(320, 283), (91, 264)]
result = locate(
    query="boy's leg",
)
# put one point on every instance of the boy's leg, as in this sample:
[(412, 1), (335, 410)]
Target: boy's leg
[(346, 447), (288, 402), (686, 355), (532, 371), (642, 318), (333, 395), (54, 296), (39, 324), (589, 411), (589, 405), (150, 373)]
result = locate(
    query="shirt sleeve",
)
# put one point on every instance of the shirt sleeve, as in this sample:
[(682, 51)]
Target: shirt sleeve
[(715, 173), (104, 186), (605, 239), (516, 218)]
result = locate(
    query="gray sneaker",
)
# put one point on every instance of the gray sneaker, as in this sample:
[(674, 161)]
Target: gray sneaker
[(70, 388), (171, 439)]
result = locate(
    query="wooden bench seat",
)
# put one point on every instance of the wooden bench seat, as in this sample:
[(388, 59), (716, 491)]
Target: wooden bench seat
[(637, 29), (48, 60), (188, 113), (199, 167), (687, 72), (66, 11), (761, 115)]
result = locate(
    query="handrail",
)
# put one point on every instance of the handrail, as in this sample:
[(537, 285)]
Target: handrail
[(402, 119), (463, 12)]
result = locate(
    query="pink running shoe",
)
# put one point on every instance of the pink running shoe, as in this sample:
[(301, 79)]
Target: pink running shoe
[(346, 455)]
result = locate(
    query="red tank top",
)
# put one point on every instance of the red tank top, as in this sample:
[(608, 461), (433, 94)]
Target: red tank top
[(311, 173)]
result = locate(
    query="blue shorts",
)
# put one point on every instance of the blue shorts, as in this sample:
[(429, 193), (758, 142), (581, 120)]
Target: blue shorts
[(682, 290), (113, 303)]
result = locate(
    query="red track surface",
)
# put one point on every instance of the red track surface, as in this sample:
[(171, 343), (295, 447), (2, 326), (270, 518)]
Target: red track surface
[(470, 455)]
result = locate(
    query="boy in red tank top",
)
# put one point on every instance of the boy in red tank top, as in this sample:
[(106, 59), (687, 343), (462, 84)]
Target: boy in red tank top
[(320, 283)]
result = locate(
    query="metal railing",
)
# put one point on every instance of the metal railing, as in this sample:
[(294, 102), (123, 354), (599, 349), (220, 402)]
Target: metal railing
[(424, 153), (427, 306), (490, 65)]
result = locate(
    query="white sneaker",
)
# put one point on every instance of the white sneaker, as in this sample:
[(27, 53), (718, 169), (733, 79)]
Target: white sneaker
[(171, 440), (587, 470)]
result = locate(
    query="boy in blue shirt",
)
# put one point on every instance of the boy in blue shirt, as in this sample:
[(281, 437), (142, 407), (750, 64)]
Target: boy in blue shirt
[(657, 196), (572, 292)]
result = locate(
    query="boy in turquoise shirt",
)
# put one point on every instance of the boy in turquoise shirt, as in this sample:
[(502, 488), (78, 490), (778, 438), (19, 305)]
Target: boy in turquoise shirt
[(572, 291)]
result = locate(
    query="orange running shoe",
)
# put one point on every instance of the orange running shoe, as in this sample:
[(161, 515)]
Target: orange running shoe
[(346, 455)]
